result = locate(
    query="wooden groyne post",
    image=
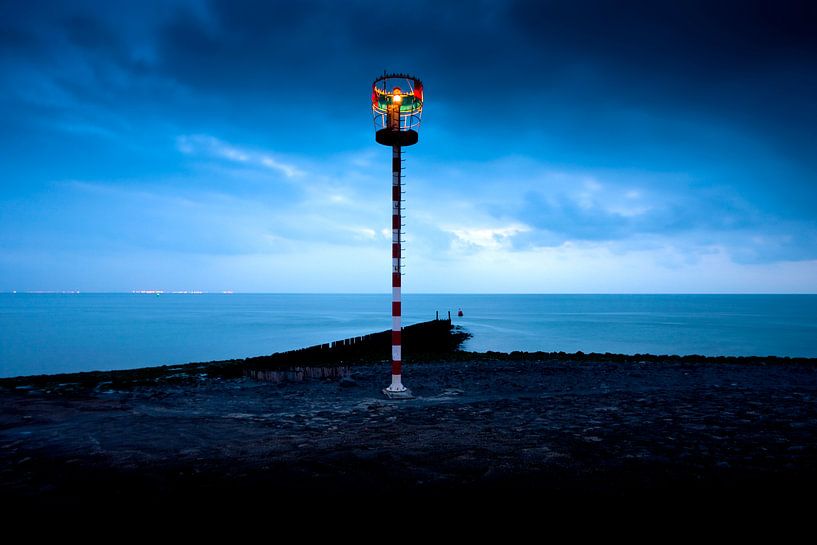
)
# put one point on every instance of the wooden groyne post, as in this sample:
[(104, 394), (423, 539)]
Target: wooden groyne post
[(425, 338)]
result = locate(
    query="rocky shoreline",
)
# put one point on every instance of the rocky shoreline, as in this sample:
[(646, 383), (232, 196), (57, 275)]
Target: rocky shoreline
[(569, 426)]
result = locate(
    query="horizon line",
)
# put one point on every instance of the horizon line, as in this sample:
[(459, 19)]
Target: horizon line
[(384, 293)]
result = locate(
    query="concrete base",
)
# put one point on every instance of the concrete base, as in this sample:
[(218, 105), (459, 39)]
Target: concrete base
[(402, 394)]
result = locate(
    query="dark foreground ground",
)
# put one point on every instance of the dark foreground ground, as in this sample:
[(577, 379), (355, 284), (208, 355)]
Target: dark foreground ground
[(478, 431)]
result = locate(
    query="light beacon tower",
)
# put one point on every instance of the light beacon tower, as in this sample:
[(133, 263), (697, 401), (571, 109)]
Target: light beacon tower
[(397, 106)]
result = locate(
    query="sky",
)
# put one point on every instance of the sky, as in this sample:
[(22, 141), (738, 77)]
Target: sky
[(566, 147)]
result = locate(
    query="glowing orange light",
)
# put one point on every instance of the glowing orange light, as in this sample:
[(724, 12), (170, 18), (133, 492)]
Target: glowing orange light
[(397, 96)]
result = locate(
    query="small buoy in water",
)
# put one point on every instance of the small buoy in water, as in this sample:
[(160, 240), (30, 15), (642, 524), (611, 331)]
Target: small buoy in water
[(459, 312)]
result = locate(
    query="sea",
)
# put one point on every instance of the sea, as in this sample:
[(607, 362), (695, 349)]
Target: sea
[(56, 333)]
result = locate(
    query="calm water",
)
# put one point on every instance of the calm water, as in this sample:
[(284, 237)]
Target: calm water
[(45, 333)]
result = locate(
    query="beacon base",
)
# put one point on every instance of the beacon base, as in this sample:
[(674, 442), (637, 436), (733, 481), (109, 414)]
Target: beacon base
[(398, 394)]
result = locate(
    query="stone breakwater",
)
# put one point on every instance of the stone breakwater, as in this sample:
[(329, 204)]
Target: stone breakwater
[(298, 374)]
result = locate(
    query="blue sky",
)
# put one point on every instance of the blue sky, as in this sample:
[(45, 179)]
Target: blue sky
[(566, 146)]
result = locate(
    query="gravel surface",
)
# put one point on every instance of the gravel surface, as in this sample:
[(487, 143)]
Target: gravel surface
[(555, 429)]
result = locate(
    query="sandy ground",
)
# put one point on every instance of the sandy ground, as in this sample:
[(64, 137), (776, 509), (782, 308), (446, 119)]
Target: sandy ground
[(499, 429)]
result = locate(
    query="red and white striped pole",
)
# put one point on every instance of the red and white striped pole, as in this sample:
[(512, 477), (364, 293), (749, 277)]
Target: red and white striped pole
[(397, 117), (396, 389)]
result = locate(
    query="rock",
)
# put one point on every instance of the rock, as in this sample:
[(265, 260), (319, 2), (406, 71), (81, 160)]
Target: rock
[(453, 392), (657, 459)]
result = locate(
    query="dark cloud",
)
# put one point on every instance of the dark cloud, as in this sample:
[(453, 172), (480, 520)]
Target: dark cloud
[(676, 38), (674, 214), (751, 63), (693, 219), (563, 65)]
